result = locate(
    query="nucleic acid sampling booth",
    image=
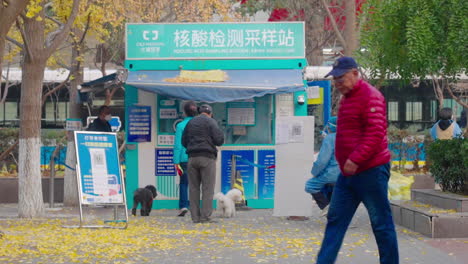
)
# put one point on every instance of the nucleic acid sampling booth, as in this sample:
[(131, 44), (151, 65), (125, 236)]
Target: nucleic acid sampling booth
[(252, 76)]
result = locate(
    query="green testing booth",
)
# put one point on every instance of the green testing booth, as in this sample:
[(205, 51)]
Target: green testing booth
[(252, 76)]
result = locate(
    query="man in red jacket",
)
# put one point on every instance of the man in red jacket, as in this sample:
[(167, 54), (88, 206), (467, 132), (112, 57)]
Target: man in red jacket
[(363, 156)]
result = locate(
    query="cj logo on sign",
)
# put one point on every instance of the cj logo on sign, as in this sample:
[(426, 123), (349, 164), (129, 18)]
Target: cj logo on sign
[(155, 34)]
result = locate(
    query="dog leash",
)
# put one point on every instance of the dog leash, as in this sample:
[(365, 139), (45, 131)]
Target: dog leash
[(63, 163), (248, 162)]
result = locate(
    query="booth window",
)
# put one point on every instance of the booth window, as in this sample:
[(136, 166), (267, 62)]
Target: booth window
[(246, 122), (169, 114)]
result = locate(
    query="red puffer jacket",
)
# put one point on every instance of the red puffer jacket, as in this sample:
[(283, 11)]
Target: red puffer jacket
[(361, 134)]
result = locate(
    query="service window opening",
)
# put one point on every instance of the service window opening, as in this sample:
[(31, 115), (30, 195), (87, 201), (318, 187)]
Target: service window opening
[(245, 122)]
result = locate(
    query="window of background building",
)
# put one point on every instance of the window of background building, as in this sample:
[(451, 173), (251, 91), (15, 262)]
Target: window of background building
[(2, 106), (413, 111), (434, 115), (62, 111), (392, 111), (49, 111), (456, 108), (11, 111), (56, 111)]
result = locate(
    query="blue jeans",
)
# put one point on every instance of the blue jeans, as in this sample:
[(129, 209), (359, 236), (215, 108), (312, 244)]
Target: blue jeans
[(371, 188), (183, 187)]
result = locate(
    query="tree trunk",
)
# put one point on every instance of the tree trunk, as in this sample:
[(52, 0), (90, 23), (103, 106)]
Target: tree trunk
[(2, 49), (315, 27), (438, 91), (9, 11), (37, 51), (70, 194), (350, 34), (70, 187), (30, 201)]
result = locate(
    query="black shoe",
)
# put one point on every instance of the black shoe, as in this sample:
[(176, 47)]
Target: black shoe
[(243, 207), (208, 221)]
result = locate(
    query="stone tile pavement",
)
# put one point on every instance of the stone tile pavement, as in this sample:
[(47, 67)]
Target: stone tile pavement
[(252, 237)]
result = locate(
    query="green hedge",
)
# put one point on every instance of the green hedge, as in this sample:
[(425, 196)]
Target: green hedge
[(449, 164)]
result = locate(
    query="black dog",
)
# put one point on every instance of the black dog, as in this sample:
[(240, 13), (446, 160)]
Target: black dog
[(144, 196)]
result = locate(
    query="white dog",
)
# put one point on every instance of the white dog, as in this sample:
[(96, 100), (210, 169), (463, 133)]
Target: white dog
[(226, 203)]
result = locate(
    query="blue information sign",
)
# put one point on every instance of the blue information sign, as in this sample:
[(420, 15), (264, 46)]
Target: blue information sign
[(164, 165), (246, 170), (99, 174), (139, 124), (266, 176)]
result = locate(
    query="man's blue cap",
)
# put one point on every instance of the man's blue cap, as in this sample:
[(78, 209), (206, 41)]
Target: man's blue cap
[(342, 66)]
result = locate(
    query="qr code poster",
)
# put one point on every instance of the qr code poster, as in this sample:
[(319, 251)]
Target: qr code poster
[(289, 132), (296, 132), (98, 170)]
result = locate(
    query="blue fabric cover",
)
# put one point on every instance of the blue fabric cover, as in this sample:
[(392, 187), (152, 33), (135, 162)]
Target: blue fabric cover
[(241, 84)]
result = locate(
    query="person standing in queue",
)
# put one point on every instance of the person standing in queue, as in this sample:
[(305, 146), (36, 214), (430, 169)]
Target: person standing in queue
[(201, 136), (181, 158)]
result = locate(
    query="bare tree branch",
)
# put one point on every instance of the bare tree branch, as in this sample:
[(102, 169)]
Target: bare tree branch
[(26, 47), (61, 64), (56, 88), (8, 84), (457, 99), (334, 25), (438, 91), (57, 39), (14, 41), (54, 20), (8, 150), (88, 22)]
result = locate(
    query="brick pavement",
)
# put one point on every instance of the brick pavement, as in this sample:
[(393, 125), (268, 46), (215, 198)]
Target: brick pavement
[(257, 237)]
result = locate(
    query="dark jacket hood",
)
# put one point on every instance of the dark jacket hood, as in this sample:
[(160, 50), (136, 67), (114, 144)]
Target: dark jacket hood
[(444, 124)]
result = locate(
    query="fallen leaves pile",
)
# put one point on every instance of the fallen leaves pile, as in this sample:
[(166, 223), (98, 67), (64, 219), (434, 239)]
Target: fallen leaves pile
[(47, 241), (169, 239)]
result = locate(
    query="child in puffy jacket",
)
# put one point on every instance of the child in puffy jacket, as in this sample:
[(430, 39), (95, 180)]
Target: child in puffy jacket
[(325, 169), (445, 128)]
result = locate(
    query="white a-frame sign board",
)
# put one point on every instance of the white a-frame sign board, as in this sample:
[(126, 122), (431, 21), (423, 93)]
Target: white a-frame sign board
[(99, 175)]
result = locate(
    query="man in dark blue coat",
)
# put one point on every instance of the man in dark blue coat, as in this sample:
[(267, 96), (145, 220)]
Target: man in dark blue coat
[(200, 138)]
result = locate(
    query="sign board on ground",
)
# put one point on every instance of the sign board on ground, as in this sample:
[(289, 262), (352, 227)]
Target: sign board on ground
[(98, 168)]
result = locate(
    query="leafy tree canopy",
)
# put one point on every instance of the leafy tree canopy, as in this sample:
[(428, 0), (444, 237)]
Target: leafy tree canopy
[(415, 38)]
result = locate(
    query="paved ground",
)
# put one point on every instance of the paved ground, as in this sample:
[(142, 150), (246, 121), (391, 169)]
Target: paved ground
[(252, 237)]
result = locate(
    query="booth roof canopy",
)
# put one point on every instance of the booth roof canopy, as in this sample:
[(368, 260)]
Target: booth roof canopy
[(239, 84)]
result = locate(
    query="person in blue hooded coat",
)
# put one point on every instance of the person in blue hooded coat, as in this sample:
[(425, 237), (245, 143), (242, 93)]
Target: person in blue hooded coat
[(446, 128), (325, 169), (180, 157)]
